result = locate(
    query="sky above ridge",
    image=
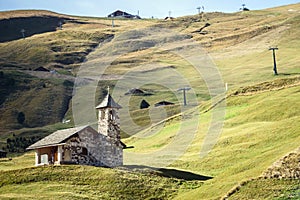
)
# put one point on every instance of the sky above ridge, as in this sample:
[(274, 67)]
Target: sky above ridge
[(146, 9)]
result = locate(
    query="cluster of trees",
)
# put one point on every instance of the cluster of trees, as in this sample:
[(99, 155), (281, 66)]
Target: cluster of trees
[(19, 144)]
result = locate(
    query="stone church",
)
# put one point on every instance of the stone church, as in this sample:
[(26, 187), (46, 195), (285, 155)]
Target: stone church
[(84, 145)]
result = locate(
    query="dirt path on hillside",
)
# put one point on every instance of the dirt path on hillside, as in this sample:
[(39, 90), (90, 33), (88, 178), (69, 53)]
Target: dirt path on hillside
[(275, 85), (86, 80)]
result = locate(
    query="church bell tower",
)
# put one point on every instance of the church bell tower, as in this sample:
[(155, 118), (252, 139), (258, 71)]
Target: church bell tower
[(108, 118)]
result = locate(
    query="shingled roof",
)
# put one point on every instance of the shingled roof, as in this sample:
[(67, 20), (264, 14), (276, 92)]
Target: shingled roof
[(57, 137), (60, 136), (108, 102)]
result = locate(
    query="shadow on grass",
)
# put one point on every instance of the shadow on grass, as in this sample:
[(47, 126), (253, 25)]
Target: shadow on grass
[(288, 74), (169, 173)]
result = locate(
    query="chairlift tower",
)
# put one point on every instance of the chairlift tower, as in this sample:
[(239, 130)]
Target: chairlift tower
[(274, 59), (199, 11), (184, 94), (199, 8), (23, 33), (112, 21)]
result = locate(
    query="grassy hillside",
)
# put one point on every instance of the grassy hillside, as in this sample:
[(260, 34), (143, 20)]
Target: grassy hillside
[(262, 118), (235, 41), (45, 96), (17, 24), (42, 97), (259, 129), (250, 142), (36, 97), (269, 189), (78, 182), (280, 181), (60, 50), (20, 180), (30, 102)]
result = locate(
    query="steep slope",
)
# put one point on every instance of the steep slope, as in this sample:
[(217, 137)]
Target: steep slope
[(29, 102), (259, 129), (17, 28), (42, 97), (280, 181), (262, 120), (61, 50), (256, 134), (228, 36)]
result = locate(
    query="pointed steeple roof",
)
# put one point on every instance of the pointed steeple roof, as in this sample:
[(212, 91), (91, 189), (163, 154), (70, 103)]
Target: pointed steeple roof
[(108, 102)]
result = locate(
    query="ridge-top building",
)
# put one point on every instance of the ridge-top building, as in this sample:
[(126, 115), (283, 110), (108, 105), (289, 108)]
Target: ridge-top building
[(122, 14), (84, 145)]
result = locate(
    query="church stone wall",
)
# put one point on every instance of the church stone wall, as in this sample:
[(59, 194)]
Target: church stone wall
[(91, 148)]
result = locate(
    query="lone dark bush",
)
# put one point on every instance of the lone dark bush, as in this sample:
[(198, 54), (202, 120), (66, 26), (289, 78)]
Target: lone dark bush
[(21, 117)]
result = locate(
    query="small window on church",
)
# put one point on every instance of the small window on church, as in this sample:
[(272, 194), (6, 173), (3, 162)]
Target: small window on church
[(84, 151), (112, 114)]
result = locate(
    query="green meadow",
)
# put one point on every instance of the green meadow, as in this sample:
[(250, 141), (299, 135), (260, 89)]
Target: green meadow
[(176, 154)]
